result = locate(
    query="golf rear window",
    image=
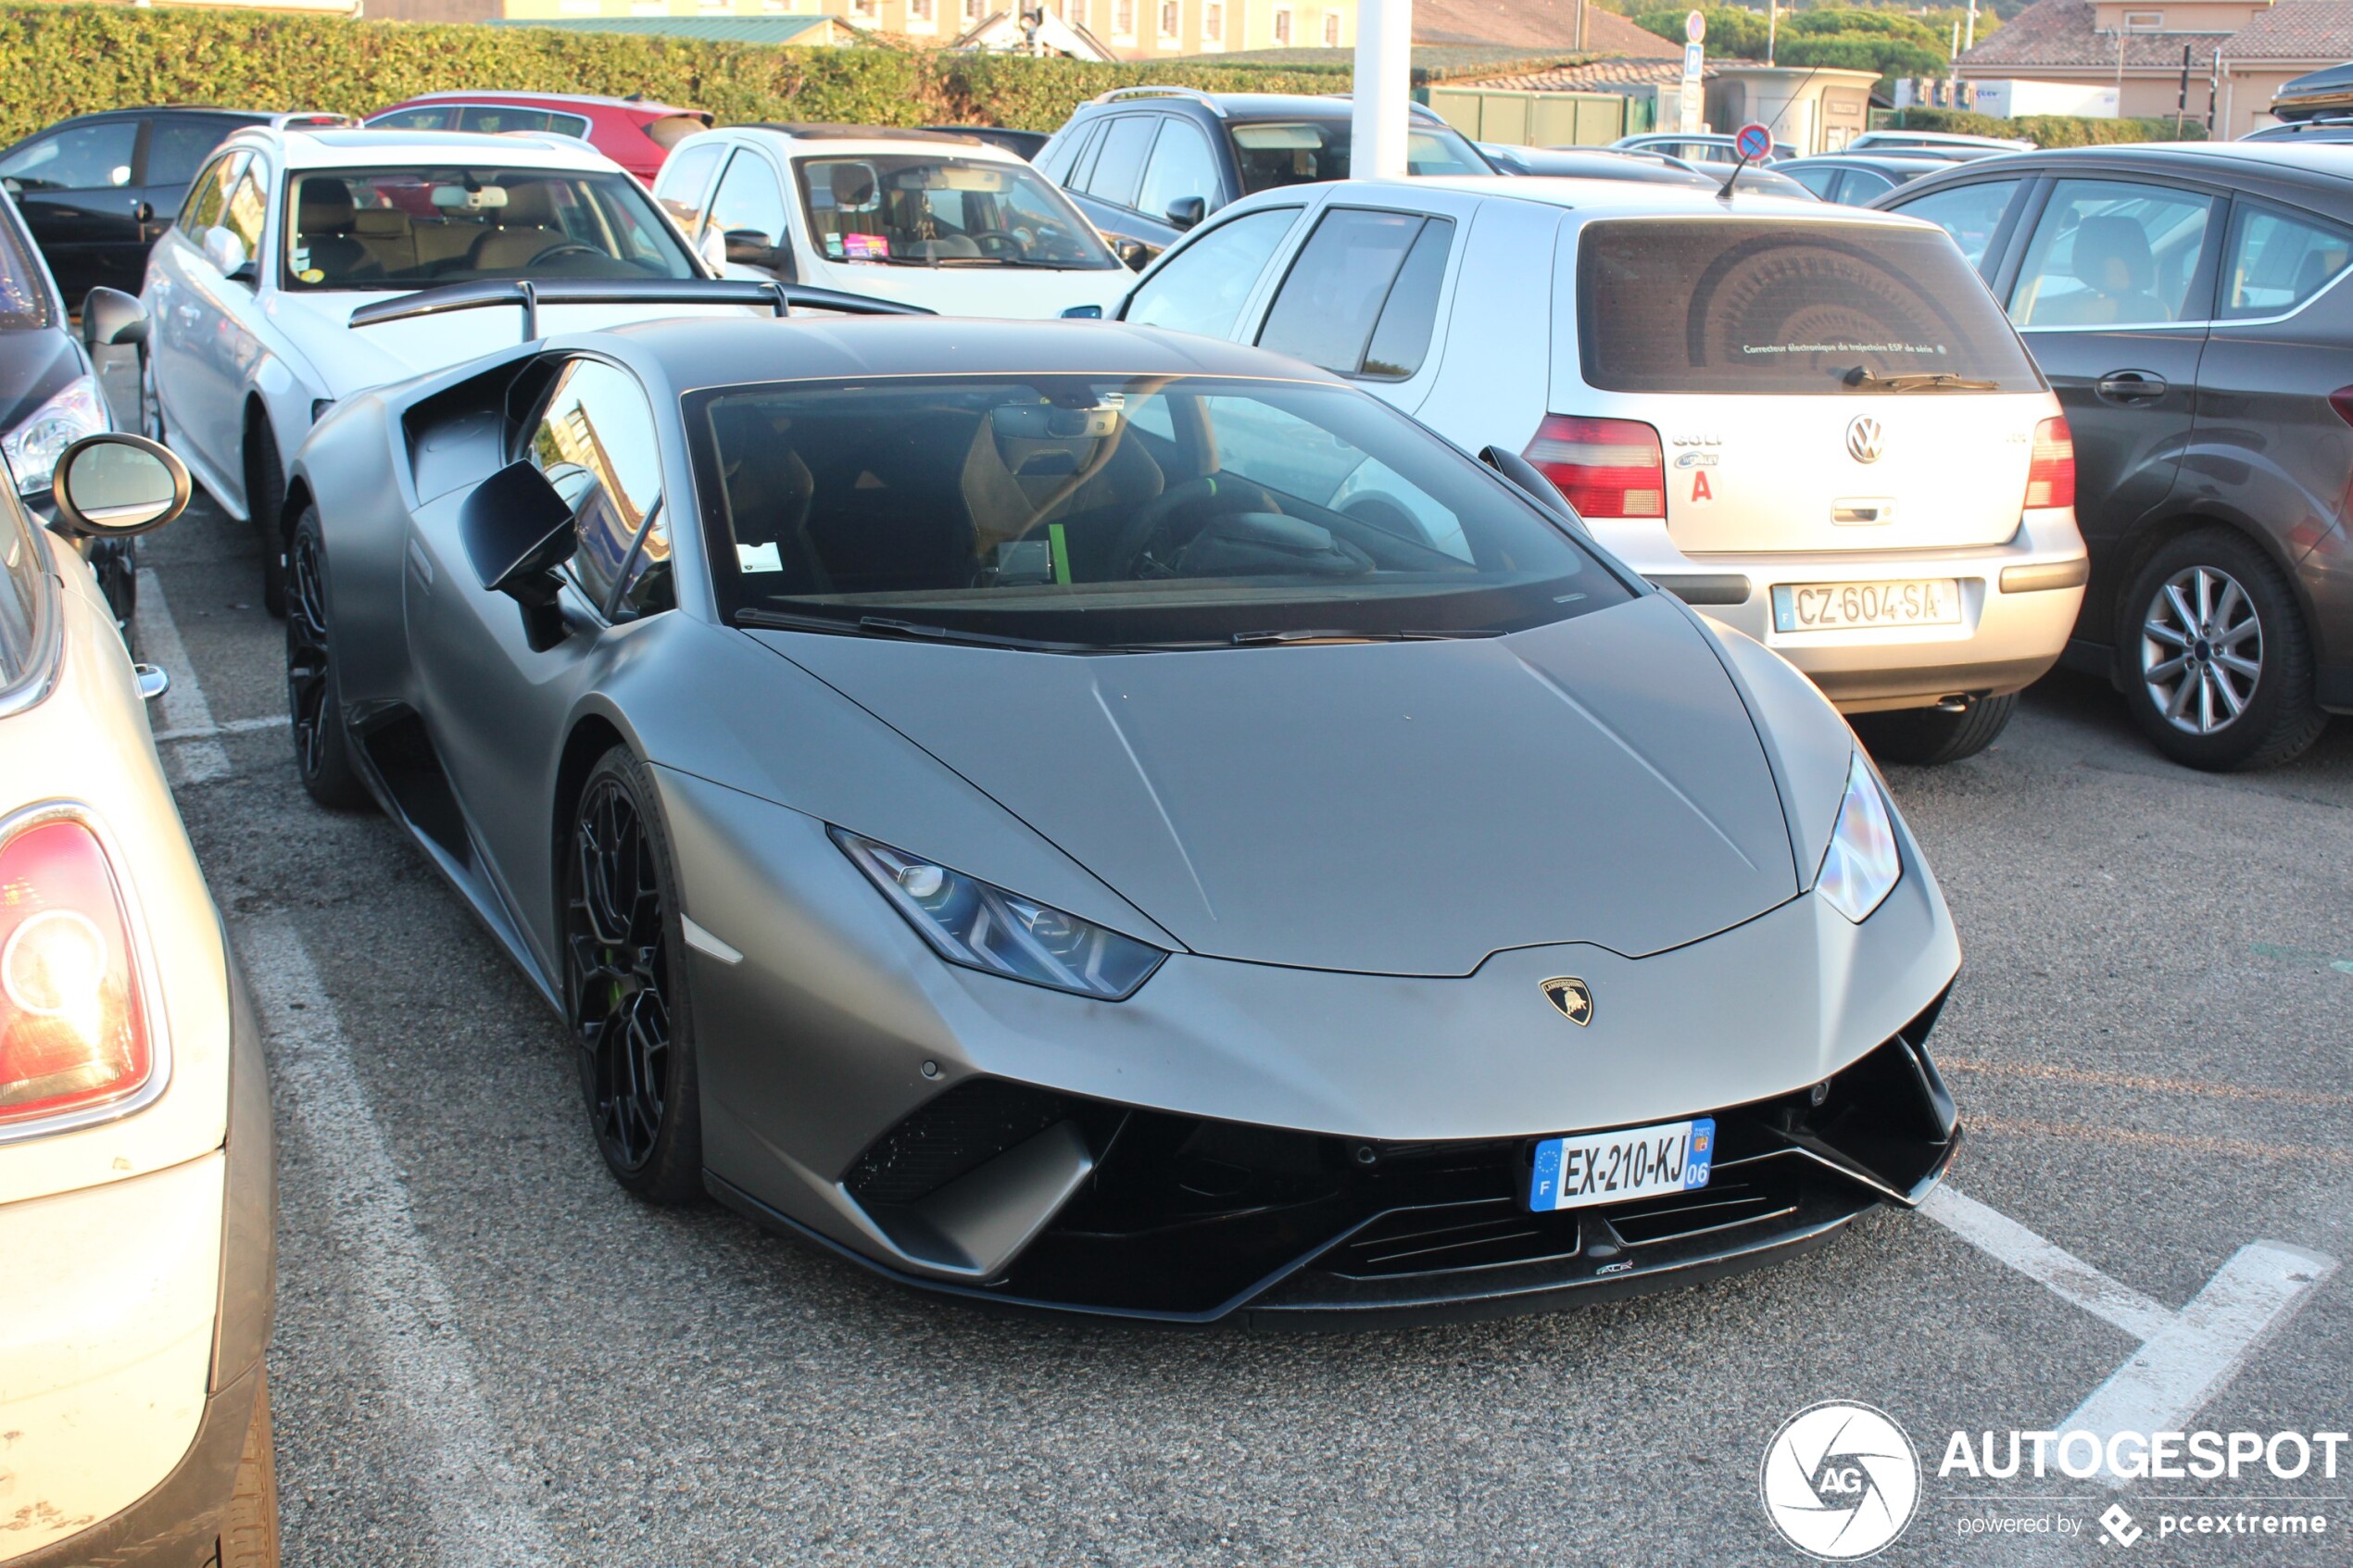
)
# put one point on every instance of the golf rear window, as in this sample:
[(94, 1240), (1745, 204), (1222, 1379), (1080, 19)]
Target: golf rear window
[(1717, 305)]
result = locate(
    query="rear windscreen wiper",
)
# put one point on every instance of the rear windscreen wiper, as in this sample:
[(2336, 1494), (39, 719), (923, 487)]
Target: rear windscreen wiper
[(1920, 381), (884, 626)]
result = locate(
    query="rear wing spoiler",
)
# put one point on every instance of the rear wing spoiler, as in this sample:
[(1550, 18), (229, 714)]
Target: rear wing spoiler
[(529, 296)]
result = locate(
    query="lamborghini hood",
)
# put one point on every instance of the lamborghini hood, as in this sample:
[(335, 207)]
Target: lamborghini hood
[(1394, 808)]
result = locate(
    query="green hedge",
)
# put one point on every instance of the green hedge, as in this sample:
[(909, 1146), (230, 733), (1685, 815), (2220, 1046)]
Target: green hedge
[(2047, 129), (73, 59)]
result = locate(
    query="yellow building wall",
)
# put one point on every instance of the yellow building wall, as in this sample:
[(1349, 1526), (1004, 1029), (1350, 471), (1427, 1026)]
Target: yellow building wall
[(1136, 29)]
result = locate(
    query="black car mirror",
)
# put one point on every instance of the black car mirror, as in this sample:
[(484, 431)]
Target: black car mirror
[(1527, 478), (113, 485), (750, 248), (1135, 254), (517, 530), (111, 318), (1185, 211)]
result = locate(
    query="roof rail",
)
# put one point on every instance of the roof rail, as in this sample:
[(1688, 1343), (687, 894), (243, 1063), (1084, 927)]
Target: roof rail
[(1206, 100), (530, 294), (311, 119)]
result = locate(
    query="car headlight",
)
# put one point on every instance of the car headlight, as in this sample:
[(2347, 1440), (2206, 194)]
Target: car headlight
[(1861, 867), (971, 922), (33, 447)]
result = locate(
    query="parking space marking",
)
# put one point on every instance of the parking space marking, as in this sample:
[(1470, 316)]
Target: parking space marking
[(2185, 1143), (182, 707), (2066, 1276), (2183, 1364), (476, 1502), (2091, 1078), (226, 727), (2302, 956)]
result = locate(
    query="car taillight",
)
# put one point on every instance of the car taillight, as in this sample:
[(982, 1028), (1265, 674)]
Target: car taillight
[(72, 1033), (1606, 468), (2050, 473)]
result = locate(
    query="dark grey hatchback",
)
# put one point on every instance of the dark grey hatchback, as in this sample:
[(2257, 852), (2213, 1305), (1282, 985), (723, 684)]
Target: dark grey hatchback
[(2187, 304)]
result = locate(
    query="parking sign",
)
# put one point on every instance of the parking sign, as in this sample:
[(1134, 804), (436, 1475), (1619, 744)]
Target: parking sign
[(1753, 143)]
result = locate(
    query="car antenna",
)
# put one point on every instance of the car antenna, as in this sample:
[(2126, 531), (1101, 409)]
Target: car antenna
[(1753, 143)]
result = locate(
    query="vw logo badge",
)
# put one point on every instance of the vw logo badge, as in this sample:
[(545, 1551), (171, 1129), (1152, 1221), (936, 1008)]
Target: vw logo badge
[(1572, 997), (1864, 439)]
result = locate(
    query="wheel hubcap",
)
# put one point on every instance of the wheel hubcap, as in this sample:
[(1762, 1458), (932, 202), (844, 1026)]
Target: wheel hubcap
[(306, 653), (614, 946), (2201, 650)]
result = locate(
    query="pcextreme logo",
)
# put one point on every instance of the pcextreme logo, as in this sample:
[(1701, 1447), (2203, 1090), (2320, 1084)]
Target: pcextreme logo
[(1839, 1481)]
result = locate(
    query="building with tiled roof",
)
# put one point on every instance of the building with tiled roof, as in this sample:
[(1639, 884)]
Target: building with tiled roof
[(2239, 52)]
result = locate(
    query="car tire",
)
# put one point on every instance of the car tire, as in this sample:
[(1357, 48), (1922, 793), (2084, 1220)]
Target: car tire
[(1929, 737), (314, 695), (2216, 661), (266, 503), (625, 984), (249, 1532)]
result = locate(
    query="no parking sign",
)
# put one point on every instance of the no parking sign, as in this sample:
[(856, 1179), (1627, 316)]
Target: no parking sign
[(1753, 143)]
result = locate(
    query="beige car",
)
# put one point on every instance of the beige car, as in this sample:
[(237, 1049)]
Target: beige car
[(137, 1194)]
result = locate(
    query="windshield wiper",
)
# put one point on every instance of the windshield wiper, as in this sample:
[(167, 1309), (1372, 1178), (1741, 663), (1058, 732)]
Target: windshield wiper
[(884, 626), (1920, 381), (1312, 635)]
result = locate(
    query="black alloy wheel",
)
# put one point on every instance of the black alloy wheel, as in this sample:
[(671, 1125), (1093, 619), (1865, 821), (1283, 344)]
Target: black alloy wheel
[(623, 984), (2218, 667), (314, 697)]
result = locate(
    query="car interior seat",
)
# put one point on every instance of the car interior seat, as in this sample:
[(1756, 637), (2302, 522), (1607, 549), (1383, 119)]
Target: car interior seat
[(2112, 259), (520, 231), (1030, 467), (325, 218)]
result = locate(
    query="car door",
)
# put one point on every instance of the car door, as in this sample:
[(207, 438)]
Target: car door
[(684, 185), (1112, 175), (1979, 214), (1182, 167), (229, 313), (183, 296), (73, 186), (486, 692), (1364, 294), (2112, 285), (1208, 284)]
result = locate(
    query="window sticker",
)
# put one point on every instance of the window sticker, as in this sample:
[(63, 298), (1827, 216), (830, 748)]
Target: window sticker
[(867, 247)]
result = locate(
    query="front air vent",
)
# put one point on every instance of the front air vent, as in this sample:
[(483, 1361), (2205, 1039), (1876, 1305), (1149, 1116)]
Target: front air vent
[(957, 1132)]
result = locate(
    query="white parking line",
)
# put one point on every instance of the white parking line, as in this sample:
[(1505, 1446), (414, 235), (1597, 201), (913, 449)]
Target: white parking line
[(2186, 1357), (477, 1505), (182, 708)]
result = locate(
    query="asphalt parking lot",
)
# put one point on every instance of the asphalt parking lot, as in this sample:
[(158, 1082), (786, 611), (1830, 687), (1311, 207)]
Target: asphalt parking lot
[(486, 1353)]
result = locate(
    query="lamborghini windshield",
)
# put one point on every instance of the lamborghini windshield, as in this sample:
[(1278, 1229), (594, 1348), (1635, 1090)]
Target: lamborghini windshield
[(935, 210), (1117, 512), (418, 228)]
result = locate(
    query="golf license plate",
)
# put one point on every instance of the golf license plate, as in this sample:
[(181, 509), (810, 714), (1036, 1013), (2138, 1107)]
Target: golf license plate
[(1839, 607), (1614, 1167)]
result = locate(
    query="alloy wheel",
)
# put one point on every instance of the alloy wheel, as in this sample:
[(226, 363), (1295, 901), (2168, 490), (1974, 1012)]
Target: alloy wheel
[(619, 980), (306, 653), (2201, 650)]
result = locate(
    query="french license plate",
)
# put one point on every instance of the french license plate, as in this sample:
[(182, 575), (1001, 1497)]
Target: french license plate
[(1836, 606), (1613, 1167)]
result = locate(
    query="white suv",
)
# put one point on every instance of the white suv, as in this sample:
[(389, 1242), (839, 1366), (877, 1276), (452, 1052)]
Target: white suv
[(1812, 424)]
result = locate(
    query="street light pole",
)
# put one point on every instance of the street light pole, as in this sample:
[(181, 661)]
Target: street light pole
[(1383, 89)]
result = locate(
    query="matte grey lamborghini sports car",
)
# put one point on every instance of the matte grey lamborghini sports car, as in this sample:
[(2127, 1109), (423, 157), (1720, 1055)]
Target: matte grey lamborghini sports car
[(1092, 817)]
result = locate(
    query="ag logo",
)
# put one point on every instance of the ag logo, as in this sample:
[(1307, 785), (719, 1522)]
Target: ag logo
[(1864, 439), (1839, 1481), (1573, 996)]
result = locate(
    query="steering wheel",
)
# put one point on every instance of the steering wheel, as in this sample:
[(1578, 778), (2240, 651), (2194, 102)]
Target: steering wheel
[(982, 237), (566, 247), (1146, 524)]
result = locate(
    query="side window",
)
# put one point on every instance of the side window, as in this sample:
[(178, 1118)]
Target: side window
[(242, 215), (1182, 166), (1348, 290), (2276, 261), (1203, 287), (1818, 178), (748, 203), (1864, 185), (596, 444), (1121, 163), (2110, 253), (208, 193), (491, 118), (686, 180), (1972, 214), (1057, 162), (79, 157), (433, 116), (177, 146)]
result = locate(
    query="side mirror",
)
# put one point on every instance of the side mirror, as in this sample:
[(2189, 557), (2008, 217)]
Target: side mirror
[(110, 317), (113, 485), (1529, 480), (1134, 253), (517, 530), (227, 254), (750, 248), (1185, 211)]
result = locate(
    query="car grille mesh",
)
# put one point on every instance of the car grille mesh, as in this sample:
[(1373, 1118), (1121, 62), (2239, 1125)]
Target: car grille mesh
[(958, 1131)]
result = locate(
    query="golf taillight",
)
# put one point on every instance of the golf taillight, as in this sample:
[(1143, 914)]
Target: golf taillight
[(2050, 473), (72, 1031), (1606, 468)]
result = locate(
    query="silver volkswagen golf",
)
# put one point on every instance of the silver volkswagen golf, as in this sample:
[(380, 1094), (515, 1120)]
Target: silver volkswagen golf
[(1811, 423)]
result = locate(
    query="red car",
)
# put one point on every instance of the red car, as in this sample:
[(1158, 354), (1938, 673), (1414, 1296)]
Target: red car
[(633, 132)]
